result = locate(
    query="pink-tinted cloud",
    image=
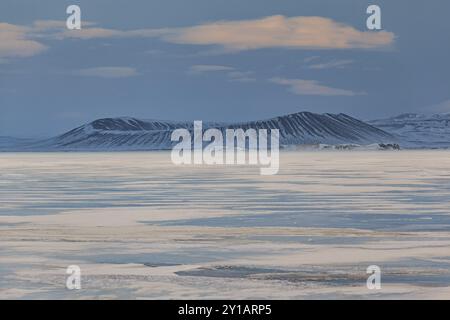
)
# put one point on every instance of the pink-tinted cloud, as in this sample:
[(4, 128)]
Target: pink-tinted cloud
[(14, 42), (108, 72), (269, 32), (312, 87), (280, 31)]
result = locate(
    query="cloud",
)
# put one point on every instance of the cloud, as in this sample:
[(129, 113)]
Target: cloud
[(312, 87), (45, 25), (232, 74), (241, 76), (309, 59), (331, 64), (14, 42), (55, 25), (108, 72), (57, 29), (208, 68), (301, 32), (279, 32), (91, 32)]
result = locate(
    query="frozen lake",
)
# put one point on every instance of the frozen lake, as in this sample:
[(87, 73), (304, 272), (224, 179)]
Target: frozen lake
[(140, 227)]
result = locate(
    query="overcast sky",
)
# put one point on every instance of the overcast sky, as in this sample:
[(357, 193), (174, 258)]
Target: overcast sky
[(218, 60)]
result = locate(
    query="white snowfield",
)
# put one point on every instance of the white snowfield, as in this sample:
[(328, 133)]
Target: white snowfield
[(140, 227), (418, 131)]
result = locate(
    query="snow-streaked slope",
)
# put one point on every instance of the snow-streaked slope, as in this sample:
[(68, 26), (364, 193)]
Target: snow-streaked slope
[(135, 134), (312, 128), (416, 130)]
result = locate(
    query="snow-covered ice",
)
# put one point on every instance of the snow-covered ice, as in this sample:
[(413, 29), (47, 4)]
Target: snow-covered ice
[(141, 227)]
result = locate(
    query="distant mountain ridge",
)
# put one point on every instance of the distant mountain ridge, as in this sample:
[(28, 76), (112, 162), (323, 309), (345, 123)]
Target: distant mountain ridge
[(418, 130), (127, 133), (8, 142)]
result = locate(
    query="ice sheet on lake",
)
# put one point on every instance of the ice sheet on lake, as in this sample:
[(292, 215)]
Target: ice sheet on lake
[(140, 227)]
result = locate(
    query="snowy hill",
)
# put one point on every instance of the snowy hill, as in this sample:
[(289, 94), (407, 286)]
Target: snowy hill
[(418, 131), (135, 134)]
